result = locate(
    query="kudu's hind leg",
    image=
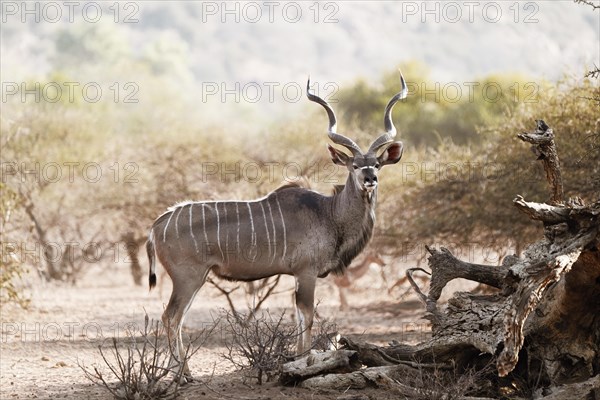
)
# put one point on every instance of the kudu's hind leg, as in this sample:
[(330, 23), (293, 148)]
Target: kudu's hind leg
[(181, 299), (305, 307)]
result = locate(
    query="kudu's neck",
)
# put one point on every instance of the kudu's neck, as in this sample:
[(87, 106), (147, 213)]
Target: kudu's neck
[(354, 210), (354, 217), (354, 204)]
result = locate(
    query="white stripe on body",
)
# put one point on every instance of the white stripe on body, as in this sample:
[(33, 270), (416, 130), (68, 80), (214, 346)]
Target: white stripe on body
[(266, 226), (274, 233), (237, 213), (219, 230), (226, 232), (191, 230), (166, 226), (253, 234), (177, 221), (284, 230), (272, 246), (204, 226)]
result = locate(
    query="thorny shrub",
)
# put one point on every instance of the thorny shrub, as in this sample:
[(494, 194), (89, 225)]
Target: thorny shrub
[(140, 363), (259, 344)]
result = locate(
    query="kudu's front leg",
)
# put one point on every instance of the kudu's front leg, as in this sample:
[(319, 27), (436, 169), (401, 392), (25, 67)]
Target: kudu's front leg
[(305, 307)]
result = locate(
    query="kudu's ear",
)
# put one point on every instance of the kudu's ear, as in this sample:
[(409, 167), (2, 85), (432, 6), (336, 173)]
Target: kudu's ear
[(392, 154), (338, 157)]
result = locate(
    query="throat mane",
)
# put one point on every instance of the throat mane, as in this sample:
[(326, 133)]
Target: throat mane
[(353, 238)]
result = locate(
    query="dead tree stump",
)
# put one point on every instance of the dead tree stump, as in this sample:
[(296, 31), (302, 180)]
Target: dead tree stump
[(541, 330)]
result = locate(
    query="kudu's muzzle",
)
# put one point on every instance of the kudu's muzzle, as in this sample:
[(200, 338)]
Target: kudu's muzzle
[(369, 179)]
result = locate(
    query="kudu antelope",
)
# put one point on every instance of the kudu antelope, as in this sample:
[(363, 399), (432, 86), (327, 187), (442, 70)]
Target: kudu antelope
[(291, 231)]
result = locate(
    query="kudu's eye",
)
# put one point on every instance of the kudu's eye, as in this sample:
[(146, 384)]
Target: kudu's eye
[(355, 166), (377, 165)]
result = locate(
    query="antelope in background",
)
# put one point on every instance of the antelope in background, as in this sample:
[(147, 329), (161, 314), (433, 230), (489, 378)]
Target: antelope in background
[(291, 231), (357, 270)]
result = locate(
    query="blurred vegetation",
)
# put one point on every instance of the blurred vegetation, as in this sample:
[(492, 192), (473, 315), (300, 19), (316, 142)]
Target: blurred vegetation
[(11, 268), (462, 165), (436, 111), (463, 194)]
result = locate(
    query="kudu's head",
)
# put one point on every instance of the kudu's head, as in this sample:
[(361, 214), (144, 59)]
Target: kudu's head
[(363, 167)]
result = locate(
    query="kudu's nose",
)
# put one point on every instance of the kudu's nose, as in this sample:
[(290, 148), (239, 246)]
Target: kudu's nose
[(370, 182)]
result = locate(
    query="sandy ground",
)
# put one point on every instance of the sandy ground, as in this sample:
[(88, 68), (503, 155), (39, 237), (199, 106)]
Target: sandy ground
[(43, 346)]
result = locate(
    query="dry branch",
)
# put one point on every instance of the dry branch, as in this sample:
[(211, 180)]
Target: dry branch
[(545, 149), (339, 361), (370, 377)]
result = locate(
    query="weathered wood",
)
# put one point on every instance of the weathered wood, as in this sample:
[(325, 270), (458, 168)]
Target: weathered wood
[(564, 330), (413, 284), (542, 212), (338, 361), (589, 389), (535, 278), (353, 396), (545, 149), (399, 381), (445, 267), (386, 377), (368, 354), (427, 355)]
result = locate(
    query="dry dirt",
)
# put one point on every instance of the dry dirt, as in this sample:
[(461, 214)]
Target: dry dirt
[(43, 346)]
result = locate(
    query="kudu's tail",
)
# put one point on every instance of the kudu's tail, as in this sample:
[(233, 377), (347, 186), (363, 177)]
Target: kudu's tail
[(152, 259)]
